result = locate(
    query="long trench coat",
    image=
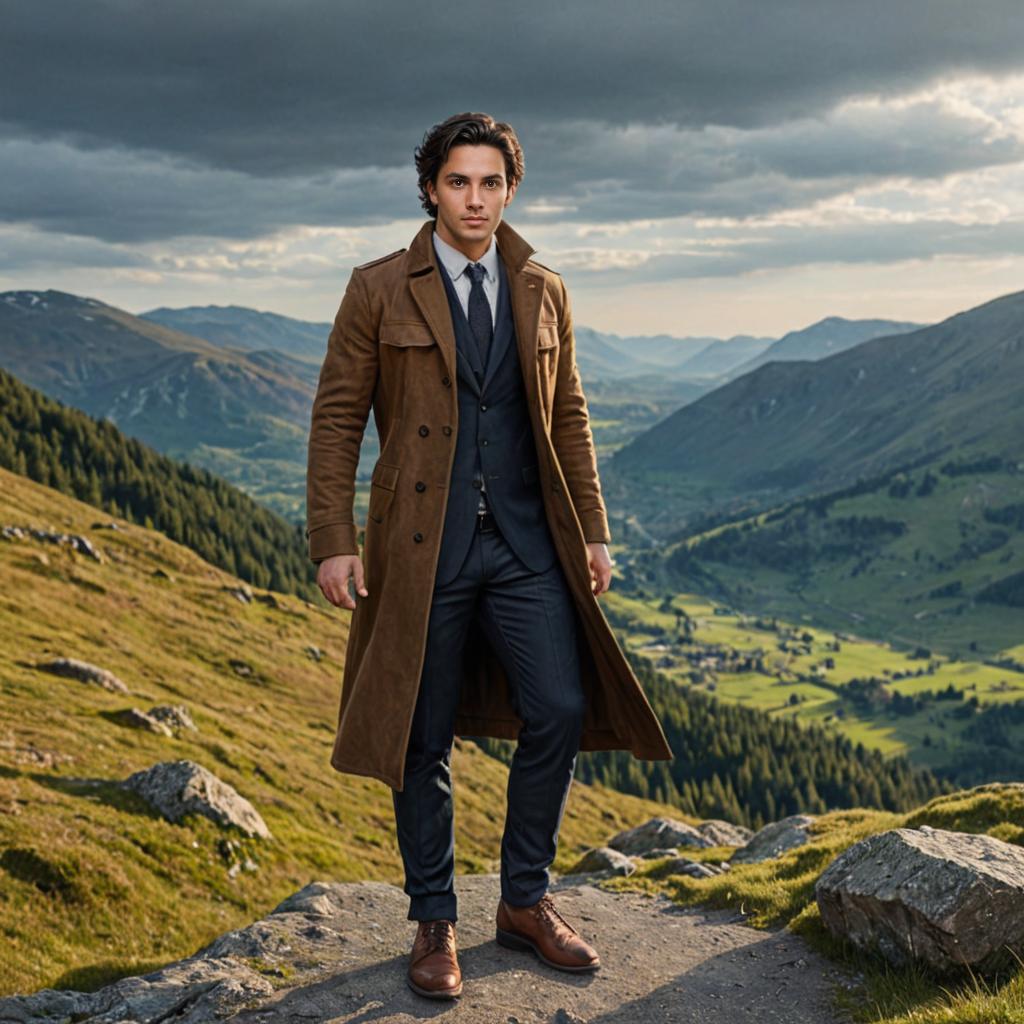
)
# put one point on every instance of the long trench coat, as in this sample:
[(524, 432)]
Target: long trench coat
[(392, 349)]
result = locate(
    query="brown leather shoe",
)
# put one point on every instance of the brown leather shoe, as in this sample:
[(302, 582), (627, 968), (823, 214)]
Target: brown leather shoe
[(433, 963), (542, 929)]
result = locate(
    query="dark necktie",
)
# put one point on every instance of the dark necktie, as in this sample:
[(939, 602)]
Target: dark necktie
[(480, 320)]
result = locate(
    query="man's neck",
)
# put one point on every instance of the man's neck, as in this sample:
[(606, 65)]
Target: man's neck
[(474, 253)]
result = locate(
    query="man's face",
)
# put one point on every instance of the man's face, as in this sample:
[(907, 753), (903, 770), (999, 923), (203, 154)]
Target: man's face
[(470, 194)]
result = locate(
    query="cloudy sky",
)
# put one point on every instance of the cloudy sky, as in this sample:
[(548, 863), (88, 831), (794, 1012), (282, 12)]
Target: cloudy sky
[(691, 167)]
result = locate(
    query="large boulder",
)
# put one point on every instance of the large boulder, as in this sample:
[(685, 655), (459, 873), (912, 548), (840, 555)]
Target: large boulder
[(177, 788), (774, 839), (932, 895)]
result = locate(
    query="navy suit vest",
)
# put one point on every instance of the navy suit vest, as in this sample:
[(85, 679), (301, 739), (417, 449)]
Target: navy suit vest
[(494, 441)]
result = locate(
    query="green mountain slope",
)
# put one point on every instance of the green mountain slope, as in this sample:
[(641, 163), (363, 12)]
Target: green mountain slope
[(242, 414), (791, 428), (92, 460)]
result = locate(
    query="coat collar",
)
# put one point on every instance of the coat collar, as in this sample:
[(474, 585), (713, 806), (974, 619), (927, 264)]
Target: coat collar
[(514, 249), (526, 290)]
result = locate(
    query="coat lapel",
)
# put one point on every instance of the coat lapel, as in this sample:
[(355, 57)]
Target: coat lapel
[(524, 293), (427, 289)]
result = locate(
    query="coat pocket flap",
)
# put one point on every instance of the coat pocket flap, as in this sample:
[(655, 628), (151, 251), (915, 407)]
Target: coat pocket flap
[(547, 335), (405, 332), (385, 475)]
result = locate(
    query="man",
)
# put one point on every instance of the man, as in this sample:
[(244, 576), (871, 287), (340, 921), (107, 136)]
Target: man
[(485, 545)]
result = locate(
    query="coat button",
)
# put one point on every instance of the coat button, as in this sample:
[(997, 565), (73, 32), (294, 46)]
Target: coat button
[(424, 430), (446, 430), (485, 441), (420, 485), (417, 536), (478, 484), (446, 381), (483, 408)]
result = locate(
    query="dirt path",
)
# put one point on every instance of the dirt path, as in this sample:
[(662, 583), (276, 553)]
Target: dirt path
[(660, 964)]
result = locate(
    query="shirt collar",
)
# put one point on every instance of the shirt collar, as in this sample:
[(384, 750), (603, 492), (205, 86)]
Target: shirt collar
[(455, 261)]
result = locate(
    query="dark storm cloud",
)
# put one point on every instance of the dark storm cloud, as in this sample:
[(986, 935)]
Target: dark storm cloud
[(129, 121), (301, 87)]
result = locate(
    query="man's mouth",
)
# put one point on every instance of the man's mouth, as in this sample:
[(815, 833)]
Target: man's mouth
[(474, 220)]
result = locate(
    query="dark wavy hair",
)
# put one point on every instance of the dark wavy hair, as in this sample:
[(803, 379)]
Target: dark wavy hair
[(464, 129)]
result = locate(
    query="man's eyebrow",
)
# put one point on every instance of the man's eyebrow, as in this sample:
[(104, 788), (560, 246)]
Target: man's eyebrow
[(459, 174)]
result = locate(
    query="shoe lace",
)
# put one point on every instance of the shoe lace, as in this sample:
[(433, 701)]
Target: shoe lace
[(439, 934), (546, 908)]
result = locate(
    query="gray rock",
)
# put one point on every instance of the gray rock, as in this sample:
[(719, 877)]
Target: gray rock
[(668, 851), (603, 858), (176, 716), (658, 833), (241, 591), (941, 897), (75, 541), (72, 668), (177, 788), (196, 990), (686, 866), (135, 718), (725, 833), (774, 839)]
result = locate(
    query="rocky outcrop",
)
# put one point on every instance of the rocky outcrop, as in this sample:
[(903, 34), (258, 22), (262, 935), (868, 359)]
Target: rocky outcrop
[(657, 834), (774, 839), (177, 788), (930, 895), (136, 718), (724, 833), (72, 668), (603, 859), (75, 541), (175, 716)]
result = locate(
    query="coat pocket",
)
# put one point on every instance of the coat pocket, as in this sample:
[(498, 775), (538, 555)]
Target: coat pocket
[(402, 333), (547, 335), (383, 485)]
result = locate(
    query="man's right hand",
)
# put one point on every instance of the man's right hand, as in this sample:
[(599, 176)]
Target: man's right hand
[(332, 577)]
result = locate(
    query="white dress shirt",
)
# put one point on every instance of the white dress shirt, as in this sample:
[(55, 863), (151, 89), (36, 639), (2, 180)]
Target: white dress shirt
[(455, 263)]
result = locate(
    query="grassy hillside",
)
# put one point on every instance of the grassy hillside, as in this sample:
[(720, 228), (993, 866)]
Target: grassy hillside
[(93, 885), (921, 558), (92, 460)]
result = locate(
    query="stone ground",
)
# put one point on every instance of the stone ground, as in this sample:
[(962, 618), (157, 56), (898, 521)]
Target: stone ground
[(337, 952)]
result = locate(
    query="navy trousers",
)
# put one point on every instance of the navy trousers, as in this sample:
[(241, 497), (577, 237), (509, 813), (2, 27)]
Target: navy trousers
[(530, 620)]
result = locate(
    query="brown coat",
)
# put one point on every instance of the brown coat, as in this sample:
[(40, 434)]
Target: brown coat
[(392, 347)]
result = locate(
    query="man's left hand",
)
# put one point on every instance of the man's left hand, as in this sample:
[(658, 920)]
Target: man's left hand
[(600, 567)]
